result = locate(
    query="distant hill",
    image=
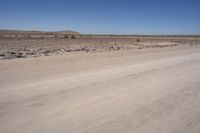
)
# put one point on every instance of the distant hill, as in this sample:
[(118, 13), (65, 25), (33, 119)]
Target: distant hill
[(66, 32), (20, 32)]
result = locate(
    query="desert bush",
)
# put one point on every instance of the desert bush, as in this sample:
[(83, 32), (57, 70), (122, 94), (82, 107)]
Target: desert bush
[(73, 37), (138, 40), (66, 36), (42, 37), (28, 36), (55, 36)]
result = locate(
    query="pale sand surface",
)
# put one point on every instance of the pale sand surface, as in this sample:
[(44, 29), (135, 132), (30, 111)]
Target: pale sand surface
[(133, 91)]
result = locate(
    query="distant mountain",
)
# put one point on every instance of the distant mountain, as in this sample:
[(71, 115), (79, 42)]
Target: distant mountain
[(66, 32), (37, 32)]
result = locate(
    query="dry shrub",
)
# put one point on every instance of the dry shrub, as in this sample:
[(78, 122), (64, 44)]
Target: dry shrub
[(138, 40), (73, 37), (66, 36)]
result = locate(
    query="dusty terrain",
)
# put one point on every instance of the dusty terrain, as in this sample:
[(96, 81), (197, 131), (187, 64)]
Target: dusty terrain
[(146, 89), (18, 47)]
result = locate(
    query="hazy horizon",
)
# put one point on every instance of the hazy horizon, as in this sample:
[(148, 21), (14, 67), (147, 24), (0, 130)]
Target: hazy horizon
[(156, 17)]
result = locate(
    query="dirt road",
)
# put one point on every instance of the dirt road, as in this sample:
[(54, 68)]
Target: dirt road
[(146, 91)]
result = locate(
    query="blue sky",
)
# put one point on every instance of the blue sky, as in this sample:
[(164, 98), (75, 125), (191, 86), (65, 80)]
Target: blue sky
[(103, 16)]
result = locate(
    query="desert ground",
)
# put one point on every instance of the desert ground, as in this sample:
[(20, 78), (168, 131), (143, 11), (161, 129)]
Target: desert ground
[(100, 85)]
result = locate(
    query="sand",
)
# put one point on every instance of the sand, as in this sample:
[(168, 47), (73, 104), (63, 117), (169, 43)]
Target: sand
[(133, 91)]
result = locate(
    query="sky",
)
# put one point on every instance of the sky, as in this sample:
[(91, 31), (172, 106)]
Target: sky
[(103, 16)]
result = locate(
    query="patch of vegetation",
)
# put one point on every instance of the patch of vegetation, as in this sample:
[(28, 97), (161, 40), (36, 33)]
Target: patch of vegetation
[(138, 40), (66, 36), (73, 37), (28, 36)]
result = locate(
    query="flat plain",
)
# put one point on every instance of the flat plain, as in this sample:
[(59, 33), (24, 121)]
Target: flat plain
[(100, 85)]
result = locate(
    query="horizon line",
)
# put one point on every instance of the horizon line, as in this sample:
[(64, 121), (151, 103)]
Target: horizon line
[(100, 34)]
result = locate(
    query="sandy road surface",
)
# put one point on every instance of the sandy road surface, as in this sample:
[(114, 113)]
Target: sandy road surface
[(154, 91)]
